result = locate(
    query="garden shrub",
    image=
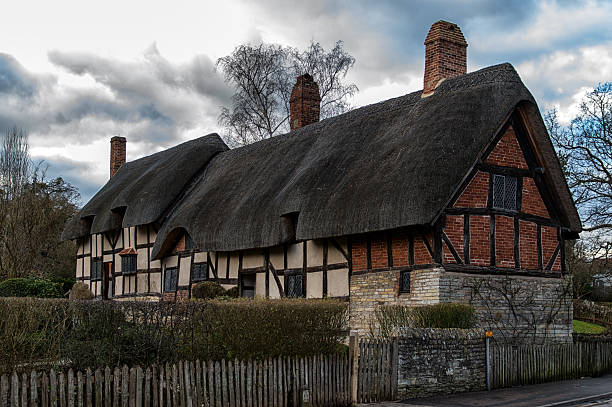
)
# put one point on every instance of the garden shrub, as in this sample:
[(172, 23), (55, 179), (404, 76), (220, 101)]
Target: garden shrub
[(444, 315), (232, 292), (65, 282), (30, 287), (207, 290), (80, 291), (85, 334)]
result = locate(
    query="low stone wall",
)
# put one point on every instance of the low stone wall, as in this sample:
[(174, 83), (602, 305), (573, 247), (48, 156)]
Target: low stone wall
[(435, 361)]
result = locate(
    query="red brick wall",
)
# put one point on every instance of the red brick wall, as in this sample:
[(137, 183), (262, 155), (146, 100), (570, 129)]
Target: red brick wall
[(528, 245), (507, 152), (532, 201), (480, 245), (454, 231), (180, 245), (378, 245), (399, 249), (504, 241), (359, 253), (421, 254), (550, 241), (476, 193)]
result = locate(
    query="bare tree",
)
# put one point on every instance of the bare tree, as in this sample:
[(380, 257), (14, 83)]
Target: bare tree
[(263, 77), (32, 214), (585, 151)]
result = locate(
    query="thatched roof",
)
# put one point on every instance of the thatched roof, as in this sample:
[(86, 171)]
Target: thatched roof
[(388, 165), (143, 189), (383, 166)]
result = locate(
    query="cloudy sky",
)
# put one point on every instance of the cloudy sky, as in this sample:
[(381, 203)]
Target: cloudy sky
[(75, 73)]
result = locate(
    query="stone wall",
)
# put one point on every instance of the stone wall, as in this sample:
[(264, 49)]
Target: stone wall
[(433, 361), (517, 309)]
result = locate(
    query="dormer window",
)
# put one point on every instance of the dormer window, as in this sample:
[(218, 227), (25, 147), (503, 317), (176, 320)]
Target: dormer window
[(128, 261), (504, 192)]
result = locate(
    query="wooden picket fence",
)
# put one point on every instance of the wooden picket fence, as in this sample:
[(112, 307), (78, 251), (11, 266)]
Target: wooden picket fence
[(283, 382), (378, 369), (531, 364)]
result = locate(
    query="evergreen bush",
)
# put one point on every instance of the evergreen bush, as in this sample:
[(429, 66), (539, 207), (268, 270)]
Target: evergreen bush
[(207, 290), (30, 287)]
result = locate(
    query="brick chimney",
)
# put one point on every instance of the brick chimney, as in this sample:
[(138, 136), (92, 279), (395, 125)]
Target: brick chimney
[(305, 102), (117, 154), (445, 54)]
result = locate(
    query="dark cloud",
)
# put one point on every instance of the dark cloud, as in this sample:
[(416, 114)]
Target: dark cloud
[(14, 79)]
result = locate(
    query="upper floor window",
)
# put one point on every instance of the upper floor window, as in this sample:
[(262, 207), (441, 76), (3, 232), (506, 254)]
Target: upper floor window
[(504, 192), (128, 264)]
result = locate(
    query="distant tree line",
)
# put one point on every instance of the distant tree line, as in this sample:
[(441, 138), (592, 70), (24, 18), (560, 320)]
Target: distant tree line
[(33, 211)]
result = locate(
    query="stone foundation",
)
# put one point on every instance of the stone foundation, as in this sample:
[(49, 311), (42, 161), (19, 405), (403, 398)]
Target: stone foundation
[(516, 308)]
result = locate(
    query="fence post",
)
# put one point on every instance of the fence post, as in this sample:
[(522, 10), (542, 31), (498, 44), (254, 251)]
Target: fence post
[(354, 358), (488, 336)]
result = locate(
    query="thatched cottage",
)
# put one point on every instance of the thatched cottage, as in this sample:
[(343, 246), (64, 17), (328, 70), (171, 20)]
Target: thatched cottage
[(449, 194)]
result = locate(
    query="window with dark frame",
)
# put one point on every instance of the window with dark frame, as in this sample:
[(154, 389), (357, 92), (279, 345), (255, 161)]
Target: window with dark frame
[(96, 269), (295, 285), (405, 281), (247, 283), (504, 192), (171, 279), (199, 272), (128, 264)]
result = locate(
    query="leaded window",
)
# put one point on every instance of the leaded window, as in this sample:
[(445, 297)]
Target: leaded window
[(405, 281), (504, 192), (295, 285), (96, 269), (199, 272), (171, 279), (128, 264)]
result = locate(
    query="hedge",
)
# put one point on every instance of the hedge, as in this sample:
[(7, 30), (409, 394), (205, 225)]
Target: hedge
[(85, 334), (444, 315), (34, 287)]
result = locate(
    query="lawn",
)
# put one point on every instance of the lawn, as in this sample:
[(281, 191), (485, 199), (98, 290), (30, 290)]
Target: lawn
[(581, 327)]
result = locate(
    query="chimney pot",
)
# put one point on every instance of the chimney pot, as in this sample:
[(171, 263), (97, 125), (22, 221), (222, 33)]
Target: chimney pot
[(445, 54), (305, 102), (117, 154)]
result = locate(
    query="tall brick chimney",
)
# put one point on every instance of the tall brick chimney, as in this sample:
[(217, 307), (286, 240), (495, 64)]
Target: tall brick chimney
[(117, 154), (305, 102), (445, 54)]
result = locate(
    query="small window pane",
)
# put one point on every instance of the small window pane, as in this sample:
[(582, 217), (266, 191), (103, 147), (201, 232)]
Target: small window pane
[(96, 269), (171, 279), (498, 191), (295, 286), (248, 285), (199, 272), (405, 282), (510, 193)]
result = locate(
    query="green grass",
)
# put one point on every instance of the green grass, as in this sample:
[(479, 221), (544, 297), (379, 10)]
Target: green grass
[(581, 327)]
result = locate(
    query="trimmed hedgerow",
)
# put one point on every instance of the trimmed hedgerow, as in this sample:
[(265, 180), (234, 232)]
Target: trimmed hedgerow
[(85, 334), (31, 287), (444, 315)]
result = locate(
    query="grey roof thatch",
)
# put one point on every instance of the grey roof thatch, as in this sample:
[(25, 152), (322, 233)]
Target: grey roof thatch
[(383, 166), (143, 189)]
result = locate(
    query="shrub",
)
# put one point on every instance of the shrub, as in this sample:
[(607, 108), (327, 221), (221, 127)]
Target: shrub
[(444, 315), (80, 291), (66, 284), (97, 333), (30, 287), (207, 290), (232, 292)]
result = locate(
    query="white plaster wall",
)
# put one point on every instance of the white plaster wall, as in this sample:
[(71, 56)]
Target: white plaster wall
[(184, 271), (141, 260), (314, 253), (314, 285), (274, 293), (253, 258), (222, 265), (234, 263), (260, 285), (142, 283), (295, 254), (277, 257), (200, 257), (334, 256), (156, 282), (337, 283)]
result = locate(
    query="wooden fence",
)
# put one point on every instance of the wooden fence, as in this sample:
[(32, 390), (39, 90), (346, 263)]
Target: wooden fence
[(377, 370), (530, 364), (324, 380)]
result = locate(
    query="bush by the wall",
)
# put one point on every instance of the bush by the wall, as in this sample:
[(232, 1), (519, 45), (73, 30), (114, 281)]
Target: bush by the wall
[(92, 334), (80, 291), (444, 315), (66, 283), (207, 290), (232, 292), (30, 287)]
